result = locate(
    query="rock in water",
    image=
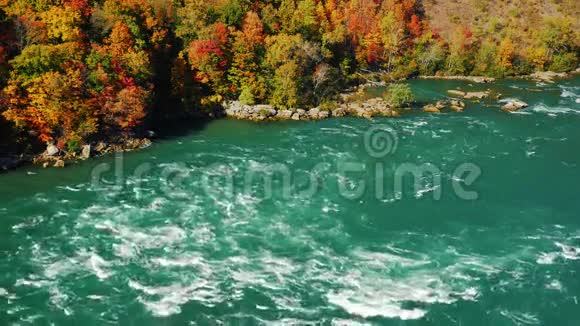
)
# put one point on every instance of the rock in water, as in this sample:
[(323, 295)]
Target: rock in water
[(59, 164), (547, 76), (456, 92), (52, 150), (514, 105), (431, 109), (469, 95), (86, 152)]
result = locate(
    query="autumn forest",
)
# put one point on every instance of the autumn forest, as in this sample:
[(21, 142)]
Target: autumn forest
[(72, 71)]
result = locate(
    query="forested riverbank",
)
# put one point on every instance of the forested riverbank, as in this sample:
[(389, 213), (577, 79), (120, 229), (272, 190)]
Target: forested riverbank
[(79, 73)]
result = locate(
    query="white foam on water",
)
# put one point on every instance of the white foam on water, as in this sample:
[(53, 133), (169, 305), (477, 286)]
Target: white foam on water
[(172, 297), (520, 318), (383, 259), (98, 266), (125, 250), (569, 252), (547, 258), (372, 305), (347, 322), (554, 285), (552, 110), (570, 92)]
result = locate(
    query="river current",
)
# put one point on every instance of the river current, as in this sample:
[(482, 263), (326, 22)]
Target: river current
[(466, 218)]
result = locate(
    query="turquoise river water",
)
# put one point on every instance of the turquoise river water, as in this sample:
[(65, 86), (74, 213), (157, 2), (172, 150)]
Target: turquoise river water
[(311, 222)]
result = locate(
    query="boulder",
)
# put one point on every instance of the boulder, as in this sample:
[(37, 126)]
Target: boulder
[(430, 108), (59, 164), (469, 95), (86, 152), (313, 113), (456, 92), (514, 105), (323, 114), (440, 105), (284, 114), (547, 76), (102, 147), (339, 112), (456, 108), (296, 116), (457, 103), (52, 150), (476, 95)]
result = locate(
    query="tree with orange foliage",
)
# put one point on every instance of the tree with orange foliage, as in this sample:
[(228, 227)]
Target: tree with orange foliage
[(245, 71)]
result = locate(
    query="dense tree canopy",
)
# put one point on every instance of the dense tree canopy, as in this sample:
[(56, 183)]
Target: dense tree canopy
[(76, 70)]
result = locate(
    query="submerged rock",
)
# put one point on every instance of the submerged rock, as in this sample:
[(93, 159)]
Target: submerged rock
[(59, 164)]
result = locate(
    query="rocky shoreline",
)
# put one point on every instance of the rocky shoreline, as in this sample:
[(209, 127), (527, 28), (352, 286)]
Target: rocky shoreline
[(54, 157), (369, 108), (364, 109)]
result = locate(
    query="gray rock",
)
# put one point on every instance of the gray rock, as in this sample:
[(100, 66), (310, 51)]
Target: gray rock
[(52, 150), (284, 114), (86, 152), (296, 116), (313, 113)]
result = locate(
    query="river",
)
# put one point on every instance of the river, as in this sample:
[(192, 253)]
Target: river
[(466, 218)]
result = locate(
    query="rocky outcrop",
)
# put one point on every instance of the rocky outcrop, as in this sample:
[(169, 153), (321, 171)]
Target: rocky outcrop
[(88, 150), (365, 109), (514, 105), (236, 109), (469, 95), (547, 76), (454, 105)]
